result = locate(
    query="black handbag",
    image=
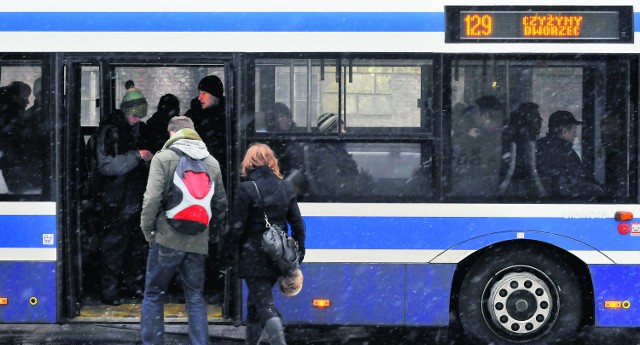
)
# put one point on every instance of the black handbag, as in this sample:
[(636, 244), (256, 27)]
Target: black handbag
[(278, 245)]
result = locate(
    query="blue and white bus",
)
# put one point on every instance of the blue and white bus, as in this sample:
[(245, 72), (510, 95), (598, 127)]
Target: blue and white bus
[(471, 241)]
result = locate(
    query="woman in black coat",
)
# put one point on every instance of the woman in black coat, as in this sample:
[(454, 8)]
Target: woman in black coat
[(247, 226)]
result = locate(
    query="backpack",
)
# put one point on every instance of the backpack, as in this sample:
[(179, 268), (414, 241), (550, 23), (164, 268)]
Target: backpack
[(188, 203)]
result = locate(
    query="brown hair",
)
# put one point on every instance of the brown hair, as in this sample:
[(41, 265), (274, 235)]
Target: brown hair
[(259, 155), (179, 122)]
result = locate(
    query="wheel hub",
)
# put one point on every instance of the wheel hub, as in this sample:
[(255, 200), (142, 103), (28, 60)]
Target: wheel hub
[(520, 304)]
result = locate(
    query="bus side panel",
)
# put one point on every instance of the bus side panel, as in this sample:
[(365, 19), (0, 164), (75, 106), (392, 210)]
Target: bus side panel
[(360, 294), (428, 293), (616, 283), (28, 262), (29, 291)]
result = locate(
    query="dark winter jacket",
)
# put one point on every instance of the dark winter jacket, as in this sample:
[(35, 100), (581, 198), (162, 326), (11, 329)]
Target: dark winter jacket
[(248, 224), (335, 172), (163, 165), (211, 125), (561, 170), (119, 161), (25, 147), (157, 133)]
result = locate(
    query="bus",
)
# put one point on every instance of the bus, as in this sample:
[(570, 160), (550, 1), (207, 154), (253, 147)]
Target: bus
[(447, 221)]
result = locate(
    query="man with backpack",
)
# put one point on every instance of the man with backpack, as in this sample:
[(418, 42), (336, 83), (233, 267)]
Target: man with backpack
[(184, 195)]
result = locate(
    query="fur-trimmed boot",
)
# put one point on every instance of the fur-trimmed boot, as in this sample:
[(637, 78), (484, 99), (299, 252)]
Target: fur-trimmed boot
[(275, 331), (252, 334)]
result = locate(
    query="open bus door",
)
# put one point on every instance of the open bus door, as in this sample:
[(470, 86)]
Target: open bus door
[(83, 113), (94, 86)]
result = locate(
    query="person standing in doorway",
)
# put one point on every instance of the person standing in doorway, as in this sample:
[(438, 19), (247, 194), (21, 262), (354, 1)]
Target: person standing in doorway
[(123, 163), (210, 122), (173, 250)]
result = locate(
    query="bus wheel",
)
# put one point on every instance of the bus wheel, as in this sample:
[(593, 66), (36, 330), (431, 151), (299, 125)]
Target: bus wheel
[(523, 295)]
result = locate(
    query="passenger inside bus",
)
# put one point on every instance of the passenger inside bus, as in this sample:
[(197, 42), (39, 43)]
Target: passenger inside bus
[(124, 164), (168, 107), (333, 171), (210, 122), (279, 118), (518, 173), (477, 148), (23, 148), (560, 168)]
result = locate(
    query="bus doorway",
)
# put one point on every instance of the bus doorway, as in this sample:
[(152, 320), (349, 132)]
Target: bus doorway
[(95, 88)]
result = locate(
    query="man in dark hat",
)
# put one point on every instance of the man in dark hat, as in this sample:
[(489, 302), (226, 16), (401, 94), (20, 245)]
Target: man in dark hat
[(559, 166), (210, 123)]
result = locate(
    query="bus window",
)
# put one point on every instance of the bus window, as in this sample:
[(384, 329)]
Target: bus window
[(154, 82), (356, 171), (334, 102), (90, 96), (366, 93), (493, 156), (24, 122)]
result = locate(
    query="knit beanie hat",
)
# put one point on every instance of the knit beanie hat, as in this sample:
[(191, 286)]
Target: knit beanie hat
[(212, 85), (328, 123), (134, 103), (291, 284)]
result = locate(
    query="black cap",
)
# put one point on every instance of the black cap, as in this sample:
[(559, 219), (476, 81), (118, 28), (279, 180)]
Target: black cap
[(562, 118), (212, 85)]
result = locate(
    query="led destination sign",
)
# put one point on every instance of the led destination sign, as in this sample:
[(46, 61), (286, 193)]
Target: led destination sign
[(538, 24)]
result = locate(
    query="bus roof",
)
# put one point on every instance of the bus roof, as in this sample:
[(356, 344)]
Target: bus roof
[(259, 26)]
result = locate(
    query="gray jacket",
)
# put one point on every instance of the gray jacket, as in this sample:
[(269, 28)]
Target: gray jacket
[(163, 165)]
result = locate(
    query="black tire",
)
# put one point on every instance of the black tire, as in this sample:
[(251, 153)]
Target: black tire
[(520, 294)]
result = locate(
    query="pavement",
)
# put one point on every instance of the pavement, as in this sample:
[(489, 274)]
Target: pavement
[(86, 333), (108, 333)]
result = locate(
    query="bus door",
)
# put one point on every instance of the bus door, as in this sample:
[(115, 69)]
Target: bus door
[(83, 106), (95, 87)]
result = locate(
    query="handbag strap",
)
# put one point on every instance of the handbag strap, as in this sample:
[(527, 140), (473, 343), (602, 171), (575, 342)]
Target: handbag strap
[(266, 219)]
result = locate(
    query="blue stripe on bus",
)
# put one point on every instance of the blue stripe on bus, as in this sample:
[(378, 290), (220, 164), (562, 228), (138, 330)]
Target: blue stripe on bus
[(228, 22), (442, 233), (223, 22), (27, 231)]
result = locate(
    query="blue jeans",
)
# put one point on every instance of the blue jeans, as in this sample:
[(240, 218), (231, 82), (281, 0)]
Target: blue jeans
[(162, 265)]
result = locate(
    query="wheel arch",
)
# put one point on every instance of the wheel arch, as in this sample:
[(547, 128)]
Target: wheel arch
[(580, 268)]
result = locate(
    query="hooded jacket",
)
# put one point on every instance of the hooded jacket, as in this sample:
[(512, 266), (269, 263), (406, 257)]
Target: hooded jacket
[(163, 165)]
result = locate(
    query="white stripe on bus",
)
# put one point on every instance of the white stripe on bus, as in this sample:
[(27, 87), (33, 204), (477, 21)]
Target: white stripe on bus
[(28, 254), (401, 256), (281, 42), (27, 208), (569, 211)]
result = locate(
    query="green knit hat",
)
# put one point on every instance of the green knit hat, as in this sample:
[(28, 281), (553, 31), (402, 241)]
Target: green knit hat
[(134, 103)]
